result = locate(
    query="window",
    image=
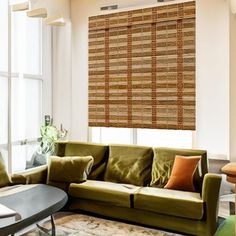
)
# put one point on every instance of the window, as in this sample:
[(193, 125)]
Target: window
[(111, 135), (144, 137), (165, 138), (23, 80), (26, 119), (4, 81), (4, 116)]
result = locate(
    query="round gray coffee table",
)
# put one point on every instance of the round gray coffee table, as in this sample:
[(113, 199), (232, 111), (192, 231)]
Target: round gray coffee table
[(32, 203)]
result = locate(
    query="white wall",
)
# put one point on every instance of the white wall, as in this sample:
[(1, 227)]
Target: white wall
[(232, 87), (212, 43), (61, 73), (54, 7), (62, 76), (212, 72)]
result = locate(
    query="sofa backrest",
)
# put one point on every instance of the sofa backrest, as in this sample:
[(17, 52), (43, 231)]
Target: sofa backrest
[(163, 161), (99, 152), (133, 164), (129, 164)]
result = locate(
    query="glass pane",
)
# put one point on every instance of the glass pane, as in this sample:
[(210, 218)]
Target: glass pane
[(23, 157), (18, 158), (116, 135), (164, 138), (4, 155), (33, 46), (95, 134), (26, 108), (26, 44), (4, 35), (3, 110), (32, 159)]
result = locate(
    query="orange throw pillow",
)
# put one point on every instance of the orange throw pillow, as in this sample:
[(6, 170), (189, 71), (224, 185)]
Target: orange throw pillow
[(181, 177)]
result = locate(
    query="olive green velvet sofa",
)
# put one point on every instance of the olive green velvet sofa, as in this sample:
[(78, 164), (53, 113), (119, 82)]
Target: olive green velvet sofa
[(126, 182)]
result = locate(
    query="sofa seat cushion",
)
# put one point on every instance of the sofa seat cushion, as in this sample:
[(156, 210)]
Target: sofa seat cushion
[(170, 202), (113, 193)]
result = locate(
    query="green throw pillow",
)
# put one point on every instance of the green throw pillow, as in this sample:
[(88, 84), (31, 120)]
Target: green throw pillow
[(97, 151), (163, 162), (4, 178), (129, 164), (69, 169)]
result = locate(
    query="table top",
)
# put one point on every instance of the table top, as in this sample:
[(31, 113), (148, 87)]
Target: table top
[(230, 171), (33, 203)]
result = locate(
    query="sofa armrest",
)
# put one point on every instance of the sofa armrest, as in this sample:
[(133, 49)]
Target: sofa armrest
[(210, 196), (32, 176)]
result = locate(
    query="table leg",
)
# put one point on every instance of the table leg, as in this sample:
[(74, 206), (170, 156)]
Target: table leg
[(53, 226), (47, 231)]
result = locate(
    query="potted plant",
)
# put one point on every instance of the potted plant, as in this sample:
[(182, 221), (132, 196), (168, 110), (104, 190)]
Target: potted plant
[(49, 135)]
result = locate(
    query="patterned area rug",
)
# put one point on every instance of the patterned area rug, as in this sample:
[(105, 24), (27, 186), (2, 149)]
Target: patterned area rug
[(70, 224)]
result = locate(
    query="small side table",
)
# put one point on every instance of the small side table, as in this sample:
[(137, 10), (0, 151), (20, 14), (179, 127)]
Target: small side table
[(230, 171)]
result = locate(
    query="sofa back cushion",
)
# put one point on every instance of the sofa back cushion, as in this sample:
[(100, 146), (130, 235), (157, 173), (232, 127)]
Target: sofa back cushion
[(69, 169), (129, 164), (99, 152), (163, 162), (4, 178)]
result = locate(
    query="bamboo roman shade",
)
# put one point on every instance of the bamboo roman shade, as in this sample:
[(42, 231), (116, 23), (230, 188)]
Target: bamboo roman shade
[(142, 68)]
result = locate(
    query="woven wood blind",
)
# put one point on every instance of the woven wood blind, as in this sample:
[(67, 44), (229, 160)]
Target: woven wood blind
[(142, 68)]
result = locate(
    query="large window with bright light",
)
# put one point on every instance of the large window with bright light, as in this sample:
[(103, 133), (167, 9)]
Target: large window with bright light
[(23, 78), (144, 137)]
